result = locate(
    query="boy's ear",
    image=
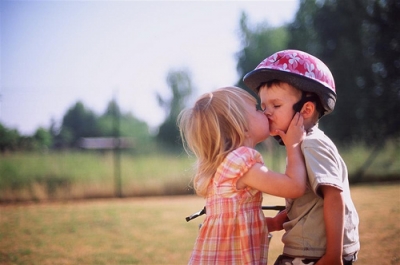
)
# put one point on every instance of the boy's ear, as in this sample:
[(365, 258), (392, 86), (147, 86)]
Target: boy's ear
[(308, 109)]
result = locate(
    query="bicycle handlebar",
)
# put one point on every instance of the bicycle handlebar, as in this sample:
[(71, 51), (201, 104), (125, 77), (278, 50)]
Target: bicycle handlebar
[(196, 214), (203, 211)]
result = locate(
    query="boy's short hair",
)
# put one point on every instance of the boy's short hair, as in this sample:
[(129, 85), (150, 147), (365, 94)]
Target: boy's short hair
[(305, 96)]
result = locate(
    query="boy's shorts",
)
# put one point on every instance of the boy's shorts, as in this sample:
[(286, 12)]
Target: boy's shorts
[(286, 260)]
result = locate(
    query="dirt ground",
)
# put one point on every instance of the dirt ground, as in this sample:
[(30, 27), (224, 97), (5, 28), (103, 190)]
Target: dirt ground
[(153, 230)]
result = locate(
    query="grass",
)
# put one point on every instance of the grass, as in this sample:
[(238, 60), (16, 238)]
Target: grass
[(84, 174), (153, 230), (77, 175), (384, 163)]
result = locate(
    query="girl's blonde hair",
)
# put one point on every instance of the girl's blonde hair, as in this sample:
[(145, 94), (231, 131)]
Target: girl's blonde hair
[(213, 127)]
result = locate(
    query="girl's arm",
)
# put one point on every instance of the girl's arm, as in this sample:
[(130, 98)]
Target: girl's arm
[(292, 183)]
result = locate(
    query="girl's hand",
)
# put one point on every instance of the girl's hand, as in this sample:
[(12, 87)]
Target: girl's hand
[(295, 133)]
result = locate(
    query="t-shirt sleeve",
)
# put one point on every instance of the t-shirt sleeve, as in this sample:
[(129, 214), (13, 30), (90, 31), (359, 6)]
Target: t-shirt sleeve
[(322, 166)]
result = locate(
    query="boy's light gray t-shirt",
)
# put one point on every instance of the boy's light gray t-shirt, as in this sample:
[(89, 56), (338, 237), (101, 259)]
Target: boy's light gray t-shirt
[(305, 232)]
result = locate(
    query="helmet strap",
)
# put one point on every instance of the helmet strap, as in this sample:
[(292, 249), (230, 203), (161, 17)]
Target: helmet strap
[(304, 99)]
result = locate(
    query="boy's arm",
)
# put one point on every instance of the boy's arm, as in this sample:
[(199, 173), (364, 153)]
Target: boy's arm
[(334, 225)]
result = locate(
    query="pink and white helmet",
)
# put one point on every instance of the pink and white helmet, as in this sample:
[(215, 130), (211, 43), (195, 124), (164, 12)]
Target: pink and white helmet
[(299, 69)]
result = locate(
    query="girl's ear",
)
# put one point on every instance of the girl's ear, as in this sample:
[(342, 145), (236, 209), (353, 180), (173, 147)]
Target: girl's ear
[(308, 109)]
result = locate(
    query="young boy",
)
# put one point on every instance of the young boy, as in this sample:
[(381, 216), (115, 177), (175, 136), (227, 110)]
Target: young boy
[(321, 225)]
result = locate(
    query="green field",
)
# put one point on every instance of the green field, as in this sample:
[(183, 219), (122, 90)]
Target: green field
[(153, 230), (78, 175), (83, 174)]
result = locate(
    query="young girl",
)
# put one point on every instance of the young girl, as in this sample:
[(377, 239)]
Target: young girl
[(222, 129)]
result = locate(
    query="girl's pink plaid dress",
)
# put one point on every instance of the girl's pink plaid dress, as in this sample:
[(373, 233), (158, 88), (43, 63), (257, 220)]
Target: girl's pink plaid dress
[(234, 230)]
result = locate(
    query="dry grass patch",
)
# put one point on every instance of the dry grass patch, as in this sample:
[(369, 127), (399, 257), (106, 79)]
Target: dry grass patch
[(154, 231)]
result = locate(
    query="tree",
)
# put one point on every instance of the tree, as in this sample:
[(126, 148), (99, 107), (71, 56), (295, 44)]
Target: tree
[(9, 139), (181, 88), (77, 122), (109, 123), (257, 44), (302, 32), (43, 138), (360, 42), (128, 126)]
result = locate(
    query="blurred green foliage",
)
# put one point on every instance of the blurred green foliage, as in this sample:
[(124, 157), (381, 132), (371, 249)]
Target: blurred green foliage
[(360, 42)]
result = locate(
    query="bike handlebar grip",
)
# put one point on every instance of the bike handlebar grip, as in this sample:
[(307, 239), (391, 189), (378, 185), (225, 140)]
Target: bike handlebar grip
[(195, 215), (276, 208)]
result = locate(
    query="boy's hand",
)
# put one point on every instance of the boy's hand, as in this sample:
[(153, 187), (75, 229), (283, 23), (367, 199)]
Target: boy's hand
[(276, 223), (327, 261), (295, 133)]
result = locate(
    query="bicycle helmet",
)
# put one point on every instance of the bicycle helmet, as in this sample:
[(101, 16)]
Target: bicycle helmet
[(301, 70)]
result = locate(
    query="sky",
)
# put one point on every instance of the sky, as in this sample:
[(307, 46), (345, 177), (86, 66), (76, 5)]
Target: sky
[(55, 53)]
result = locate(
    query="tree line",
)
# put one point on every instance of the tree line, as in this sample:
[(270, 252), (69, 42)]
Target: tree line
[(359, 40), (78, 122)]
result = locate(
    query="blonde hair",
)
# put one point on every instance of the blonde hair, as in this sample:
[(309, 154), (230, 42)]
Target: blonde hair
[(212, 128)]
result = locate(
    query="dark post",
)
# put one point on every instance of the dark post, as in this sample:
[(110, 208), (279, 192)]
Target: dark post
[(117, 150)]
